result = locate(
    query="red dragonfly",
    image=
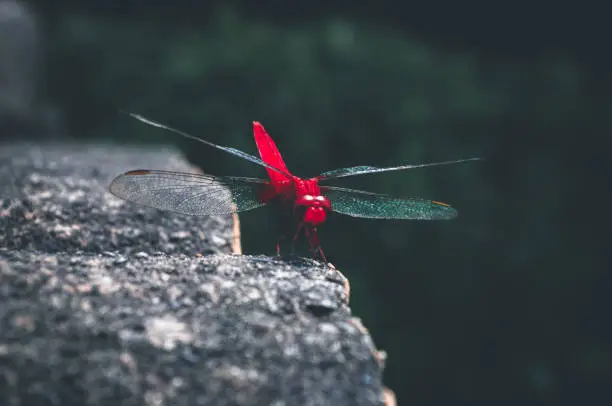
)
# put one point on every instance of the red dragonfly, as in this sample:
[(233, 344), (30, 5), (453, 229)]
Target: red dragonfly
[(303, 200)]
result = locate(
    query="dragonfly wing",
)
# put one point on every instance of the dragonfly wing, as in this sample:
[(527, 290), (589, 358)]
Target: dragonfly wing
[(187, 193), (232, 151), (269, 153), (359, 203), (363, 170)]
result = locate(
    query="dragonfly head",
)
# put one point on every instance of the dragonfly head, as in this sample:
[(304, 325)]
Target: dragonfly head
[(312, 209)]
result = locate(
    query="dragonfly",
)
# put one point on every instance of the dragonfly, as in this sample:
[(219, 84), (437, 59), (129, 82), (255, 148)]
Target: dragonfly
[(306, 202)]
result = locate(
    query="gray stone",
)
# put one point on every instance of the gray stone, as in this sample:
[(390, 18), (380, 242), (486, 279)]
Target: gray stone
[(60, 203), (99, 309)]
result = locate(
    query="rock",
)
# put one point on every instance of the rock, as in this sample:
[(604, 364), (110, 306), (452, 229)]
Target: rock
[(60, 203), (99, 309)]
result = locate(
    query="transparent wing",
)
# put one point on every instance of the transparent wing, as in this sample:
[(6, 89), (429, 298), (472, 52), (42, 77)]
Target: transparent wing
[(363, 170), (358, 203), (232, 151), (187, 193)]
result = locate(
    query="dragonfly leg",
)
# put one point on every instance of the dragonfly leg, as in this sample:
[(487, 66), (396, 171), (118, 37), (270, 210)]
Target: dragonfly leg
[(278, 241), (313, 241), (295, 237), (309, 239)]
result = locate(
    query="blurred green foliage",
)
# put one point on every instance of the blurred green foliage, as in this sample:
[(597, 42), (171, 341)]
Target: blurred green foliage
[(497, 306)]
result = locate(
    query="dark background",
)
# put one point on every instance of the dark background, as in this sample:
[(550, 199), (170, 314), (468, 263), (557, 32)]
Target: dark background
[(507, 304)]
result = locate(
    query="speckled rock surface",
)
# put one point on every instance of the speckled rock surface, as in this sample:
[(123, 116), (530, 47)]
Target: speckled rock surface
[(106, 303), (60, 203)]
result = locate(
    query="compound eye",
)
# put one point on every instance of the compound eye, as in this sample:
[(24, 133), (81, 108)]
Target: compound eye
[(320, 198), (308, 198)]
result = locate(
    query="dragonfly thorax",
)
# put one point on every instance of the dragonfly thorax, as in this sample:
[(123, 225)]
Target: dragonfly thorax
[(309, 204), (313, 209)]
